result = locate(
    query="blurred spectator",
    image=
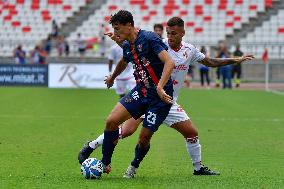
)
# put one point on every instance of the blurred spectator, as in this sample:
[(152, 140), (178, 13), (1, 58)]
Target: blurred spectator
[(225, 71), (237, 68), (38, 55), (67, 47), (60, 45), (189, 76), (81, 43), (54, 29), (19, 55), (204, 70), (159, 29), (102, 40), (48, 44)]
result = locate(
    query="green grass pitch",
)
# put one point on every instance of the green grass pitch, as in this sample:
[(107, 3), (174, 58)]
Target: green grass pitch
[(42, 130)]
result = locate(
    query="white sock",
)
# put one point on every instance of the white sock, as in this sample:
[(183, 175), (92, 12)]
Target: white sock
[(99, 141), (194, 150)]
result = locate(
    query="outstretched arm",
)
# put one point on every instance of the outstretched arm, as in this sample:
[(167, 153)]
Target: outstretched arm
[(218, 62)]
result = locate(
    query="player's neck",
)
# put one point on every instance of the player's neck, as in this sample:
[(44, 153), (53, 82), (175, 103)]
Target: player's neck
[(176, 47), (133, 35)]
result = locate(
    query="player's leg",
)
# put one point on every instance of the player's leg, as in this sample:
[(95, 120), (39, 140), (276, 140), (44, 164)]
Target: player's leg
[(207, 78), (218, 76), (229, 76), (141, 150), (179, 120), (131, 105), (238, 72), (134, 104), (117, 116), (192, 143), (224, 76), (156, 114), (202, 77), (193, 146), (129, 127), (126, 129)]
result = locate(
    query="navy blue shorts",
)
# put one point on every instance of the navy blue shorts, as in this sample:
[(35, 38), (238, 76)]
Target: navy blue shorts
[(152, 106)]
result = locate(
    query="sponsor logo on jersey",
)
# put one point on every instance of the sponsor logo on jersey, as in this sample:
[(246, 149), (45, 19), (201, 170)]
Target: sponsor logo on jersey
[(139, 47), (127, 100), (181, 67), (185, 55), (145, 62)]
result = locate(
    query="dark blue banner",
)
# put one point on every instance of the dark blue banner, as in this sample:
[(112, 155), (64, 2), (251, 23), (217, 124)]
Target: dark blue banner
[(23, 75)]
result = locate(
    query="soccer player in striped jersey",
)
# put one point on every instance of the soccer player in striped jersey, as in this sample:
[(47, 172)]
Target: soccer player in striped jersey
[(153, 92)]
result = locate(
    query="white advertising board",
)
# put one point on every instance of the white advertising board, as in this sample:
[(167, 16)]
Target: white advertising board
[(77, 75)]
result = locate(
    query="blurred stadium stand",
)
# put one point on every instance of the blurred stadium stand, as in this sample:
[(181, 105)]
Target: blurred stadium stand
[(255, 24)]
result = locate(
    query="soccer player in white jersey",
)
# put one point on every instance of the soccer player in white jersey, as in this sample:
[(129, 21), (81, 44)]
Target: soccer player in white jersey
[(183, 55), (125, 81)]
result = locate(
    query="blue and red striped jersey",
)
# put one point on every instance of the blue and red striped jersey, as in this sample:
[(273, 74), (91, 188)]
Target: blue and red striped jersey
[(143, 54)]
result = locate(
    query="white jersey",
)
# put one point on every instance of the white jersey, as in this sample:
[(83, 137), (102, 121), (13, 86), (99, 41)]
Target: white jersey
[(116, 53), (187, 55)]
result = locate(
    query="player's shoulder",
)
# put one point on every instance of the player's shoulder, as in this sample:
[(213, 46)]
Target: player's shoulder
[(125, 44), (114, 46), (188, 46)]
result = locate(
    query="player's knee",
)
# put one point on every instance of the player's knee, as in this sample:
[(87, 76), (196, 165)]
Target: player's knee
[(194, 133), (127, 132), (111, 124)]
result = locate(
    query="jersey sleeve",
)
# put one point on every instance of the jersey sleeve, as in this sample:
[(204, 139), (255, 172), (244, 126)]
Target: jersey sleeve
[(111, 55), (197, 56), (156, 43)]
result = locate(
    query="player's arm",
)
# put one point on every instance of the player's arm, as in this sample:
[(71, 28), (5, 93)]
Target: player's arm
[(218, 62), (114, 38), (168, 68), (118, 69)]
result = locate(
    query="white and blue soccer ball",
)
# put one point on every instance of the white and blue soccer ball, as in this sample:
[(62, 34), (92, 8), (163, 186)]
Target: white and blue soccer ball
[(92, 168)]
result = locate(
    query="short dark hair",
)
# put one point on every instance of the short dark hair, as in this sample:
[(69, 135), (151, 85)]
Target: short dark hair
[(122, 17), (159, 26), (175, 21)]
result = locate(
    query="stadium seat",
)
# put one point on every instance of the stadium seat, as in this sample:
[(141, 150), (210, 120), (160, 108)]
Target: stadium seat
[(206, 21), (27, 20), (269, 35)]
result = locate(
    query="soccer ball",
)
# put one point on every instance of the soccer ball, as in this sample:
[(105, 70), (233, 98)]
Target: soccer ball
[(92, 168)]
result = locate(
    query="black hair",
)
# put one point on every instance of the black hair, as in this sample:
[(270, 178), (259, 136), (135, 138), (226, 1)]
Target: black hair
[(122, 17), (175, 21), (160, 26)]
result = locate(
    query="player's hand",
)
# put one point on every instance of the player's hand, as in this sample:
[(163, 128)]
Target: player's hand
[(113, 37), (164, 96), (109, 81), (245, 58)]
